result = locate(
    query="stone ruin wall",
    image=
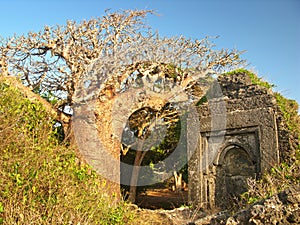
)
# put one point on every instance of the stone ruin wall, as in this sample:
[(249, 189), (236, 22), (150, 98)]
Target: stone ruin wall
[(255, 138)]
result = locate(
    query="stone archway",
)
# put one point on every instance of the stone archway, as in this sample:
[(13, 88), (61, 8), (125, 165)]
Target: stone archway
[(235, 166)]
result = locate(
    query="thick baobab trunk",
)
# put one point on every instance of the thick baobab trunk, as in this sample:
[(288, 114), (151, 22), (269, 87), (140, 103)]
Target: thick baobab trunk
[(110, 144)]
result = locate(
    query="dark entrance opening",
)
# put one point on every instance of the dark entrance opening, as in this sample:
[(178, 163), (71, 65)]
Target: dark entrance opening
[(148, 140), (236, 166)]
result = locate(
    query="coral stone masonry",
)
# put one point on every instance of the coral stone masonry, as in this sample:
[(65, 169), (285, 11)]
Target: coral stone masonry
[(244, 147)]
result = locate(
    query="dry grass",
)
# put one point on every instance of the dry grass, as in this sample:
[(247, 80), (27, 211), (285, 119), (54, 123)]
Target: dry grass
[(42, 181)]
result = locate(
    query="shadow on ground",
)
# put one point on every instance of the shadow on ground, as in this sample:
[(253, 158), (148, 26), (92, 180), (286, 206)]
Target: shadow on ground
[(162, 199)]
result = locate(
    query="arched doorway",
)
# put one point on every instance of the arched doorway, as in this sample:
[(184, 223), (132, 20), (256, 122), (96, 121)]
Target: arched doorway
[(235, 166)]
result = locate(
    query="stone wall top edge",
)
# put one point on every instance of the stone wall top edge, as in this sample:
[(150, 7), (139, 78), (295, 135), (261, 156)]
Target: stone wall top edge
[(250, 118)]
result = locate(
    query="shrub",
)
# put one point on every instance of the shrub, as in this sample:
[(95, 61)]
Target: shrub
[(289, 109), (276, 180)]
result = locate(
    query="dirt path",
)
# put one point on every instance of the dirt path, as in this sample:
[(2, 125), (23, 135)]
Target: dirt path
[(162, 199)]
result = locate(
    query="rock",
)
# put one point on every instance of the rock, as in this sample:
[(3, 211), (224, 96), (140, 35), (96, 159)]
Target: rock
[(219, 218), (283, 208)]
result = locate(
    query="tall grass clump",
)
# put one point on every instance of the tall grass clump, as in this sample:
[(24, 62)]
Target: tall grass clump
[(41, 180)]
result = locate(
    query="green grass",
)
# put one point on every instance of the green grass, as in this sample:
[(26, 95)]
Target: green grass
[(42, 181)]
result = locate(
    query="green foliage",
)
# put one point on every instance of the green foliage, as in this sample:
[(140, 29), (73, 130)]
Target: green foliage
[(289, 109), (275, 181), (1, 212), (43, 182), (202, 101), (173, 71), (50, 97), (254, 78)]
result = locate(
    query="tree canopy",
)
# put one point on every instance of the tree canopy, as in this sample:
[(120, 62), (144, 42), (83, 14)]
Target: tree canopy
[(55, 59)]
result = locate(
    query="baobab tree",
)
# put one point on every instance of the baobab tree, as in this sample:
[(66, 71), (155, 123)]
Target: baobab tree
[(54, 59), (107, 59)]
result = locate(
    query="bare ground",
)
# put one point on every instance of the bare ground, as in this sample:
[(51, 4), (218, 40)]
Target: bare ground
[(162, 199)]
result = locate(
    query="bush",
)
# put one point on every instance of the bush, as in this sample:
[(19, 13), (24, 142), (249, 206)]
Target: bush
[(43, 182), (273, 182), (289, 109)]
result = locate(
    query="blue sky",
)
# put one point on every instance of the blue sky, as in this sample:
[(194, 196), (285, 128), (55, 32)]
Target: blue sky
[(269, 30)]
